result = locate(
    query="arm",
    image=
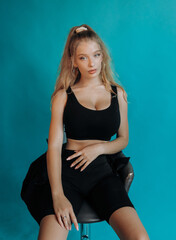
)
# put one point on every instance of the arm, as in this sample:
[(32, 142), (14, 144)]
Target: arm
[(61, 204), (121, 142), (55, 141)]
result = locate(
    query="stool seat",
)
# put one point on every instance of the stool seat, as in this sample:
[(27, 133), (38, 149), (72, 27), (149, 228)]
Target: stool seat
[(87, 214)]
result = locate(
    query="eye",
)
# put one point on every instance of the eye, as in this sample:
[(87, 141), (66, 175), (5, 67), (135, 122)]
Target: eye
[(82, 58), (98, 54)]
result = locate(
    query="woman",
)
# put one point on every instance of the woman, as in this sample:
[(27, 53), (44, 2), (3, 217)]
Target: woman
[(92, 107)]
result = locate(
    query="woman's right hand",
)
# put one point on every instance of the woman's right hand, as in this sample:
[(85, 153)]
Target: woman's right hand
[(63, 207)]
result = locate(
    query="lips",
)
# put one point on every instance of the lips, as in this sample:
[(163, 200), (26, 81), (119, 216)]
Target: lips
[(92, 71)]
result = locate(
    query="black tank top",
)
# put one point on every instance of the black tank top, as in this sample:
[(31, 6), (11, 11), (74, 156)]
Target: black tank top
[(82, 123)]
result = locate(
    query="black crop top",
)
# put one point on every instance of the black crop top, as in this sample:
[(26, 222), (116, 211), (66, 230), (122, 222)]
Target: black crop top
[(82, 123)]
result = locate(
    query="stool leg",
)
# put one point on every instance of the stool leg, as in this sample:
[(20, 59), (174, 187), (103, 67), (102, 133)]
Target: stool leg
[(85, 231)]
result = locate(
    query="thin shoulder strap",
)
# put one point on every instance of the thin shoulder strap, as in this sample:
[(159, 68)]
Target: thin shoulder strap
[(69, 90), (114, 88)]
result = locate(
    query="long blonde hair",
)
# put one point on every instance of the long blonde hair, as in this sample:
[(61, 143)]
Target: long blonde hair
[(68, 75)]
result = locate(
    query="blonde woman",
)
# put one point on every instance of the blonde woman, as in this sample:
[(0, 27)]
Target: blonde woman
[(92, 107)]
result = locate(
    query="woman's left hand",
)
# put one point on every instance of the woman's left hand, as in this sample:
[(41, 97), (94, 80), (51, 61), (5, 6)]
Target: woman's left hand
[(87, 155)]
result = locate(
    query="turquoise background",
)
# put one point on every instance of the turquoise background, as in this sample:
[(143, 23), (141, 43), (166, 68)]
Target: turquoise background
[(141, 37)]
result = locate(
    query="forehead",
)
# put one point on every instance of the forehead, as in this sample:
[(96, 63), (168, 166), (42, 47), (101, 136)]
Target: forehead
[(86, 47)]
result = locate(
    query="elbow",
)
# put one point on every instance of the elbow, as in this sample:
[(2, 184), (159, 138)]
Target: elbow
[(126, 144), (125, 141)]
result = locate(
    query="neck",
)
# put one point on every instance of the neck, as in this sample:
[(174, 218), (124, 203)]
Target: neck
[(91, 82)]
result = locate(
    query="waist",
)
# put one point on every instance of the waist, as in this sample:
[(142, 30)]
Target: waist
[(73, 144), (100, 163)]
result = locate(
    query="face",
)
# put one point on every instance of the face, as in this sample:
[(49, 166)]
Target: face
[(88, 57)]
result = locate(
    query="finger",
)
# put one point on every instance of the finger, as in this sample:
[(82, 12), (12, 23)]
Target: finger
[(74, 219), (85, 165), (72, 156), (65, 221), (81, 163), (60, 220), (77, 161), (78, 153), (69, 221)]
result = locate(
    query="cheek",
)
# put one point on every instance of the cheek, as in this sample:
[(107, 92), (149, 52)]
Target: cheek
[(99, 60), (80, 65), (99, 63), (83, 68)]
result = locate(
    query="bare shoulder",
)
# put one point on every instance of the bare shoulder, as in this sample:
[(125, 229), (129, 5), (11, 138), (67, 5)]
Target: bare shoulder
[(123, 107), (56, 125), (59, 100), (122, 95)]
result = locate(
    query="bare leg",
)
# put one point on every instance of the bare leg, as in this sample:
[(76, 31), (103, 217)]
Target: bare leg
[(50, 229), (127, 224)]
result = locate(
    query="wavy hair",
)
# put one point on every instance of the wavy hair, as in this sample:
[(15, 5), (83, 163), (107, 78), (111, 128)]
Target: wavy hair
[(68, 75)]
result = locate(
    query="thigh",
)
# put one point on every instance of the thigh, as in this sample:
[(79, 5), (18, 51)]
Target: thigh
[(127, 225), (41, 204), (51, 229), (109, 195), (74, 195)]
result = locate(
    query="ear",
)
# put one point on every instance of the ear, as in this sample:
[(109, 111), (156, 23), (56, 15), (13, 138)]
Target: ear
[(73, 62)]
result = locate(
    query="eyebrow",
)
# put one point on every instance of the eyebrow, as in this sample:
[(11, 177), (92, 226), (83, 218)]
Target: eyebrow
[(86, 54)]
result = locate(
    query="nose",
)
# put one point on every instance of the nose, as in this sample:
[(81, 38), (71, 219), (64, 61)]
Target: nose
[(91, 62)]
